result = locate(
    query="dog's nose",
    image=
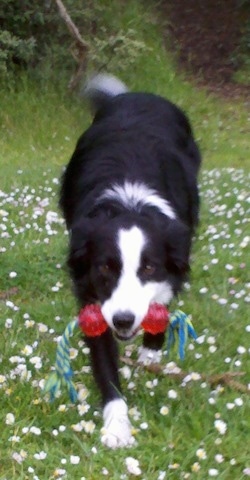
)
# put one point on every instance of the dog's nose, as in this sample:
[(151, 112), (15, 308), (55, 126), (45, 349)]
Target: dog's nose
[(123, 320)]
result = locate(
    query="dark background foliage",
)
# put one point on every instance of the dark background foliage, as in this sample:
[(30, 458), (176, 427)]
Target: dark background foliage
[(34, 37)]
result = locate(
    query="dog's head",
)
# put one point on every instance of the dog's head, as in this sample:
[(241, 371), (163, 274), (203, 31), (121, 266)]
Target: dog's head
[(125, 264)]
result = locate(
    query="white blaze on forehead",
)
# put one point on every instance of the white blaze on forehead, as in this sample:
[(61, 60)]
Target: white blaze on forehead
[(131, 295), (131, 243), (135, 195)]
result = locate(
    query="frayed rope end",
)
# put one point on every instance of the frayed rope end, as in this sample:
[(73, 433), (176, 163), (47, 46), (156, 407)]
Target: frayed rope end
[(63, 373), (180, 324)]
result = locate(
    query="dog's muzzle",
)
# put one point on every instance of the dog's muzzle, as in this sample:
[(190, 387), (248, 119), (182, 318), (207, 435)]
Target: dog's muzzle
[(123, 325)]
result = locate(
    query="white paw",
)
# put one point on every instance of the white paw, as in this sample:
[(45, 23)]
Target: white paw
[(148, 356), (116, 431)]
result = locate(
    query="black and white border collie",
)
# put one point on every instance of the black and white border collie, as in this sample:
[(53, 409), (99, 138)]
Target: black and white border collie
[(130, 200)]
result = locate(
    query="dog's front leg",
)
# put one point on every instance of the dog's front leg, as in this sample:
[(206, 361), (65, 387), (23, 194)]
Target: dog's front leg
[(150, 351), (116, 431)]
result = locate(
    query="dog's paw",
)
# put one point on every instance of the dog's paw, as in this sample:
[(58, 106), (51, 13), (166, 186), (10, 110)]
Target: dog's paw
[(148, 356), (116, 431), (117, 435)]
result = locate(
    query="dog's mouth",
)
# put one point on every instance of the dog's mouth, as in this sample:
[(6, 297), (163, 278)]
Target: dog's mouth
[(126, 336)]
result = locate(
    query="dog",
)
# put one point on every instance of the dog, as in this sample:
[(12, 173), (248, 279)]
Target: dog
[(130, 200)]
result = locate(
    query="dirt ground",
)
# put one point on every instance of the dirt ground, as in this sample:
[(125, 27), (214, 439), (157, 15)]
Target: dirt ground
[(206, 35)]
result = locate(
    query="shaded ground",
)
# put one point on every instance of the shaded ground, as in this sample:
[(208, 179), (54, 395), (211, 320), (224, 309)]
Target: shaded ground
[(206, 35)]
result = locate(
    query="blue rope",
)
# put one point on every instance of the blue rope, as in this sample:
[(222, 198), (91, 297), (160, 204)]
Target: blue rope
[(180, 324)]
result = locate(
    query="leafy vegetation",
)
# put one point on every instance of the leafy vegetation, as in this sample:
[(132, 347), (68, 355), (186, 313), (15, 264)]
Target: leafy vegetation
[(242, 57), (37, 39)]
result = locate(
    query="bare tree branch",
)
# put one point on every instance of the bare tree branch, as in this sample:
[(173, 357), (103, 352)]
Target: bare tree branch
[(70, 24), (227, 378), (81, 48)]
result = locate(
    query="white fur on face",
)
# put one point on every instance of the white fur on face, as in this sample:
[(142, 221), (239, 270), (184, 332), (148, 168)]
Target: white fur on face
[(131, 295), (134, 195)]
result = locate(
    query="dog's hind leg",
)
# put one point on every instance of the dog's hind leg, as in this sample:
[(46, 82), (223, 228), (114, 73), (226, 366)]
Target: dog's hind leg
[(116, 431)]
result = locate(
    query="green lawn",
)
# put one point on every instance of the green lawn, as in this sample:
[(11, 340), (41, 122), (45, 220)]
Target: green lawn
[(184, 430)]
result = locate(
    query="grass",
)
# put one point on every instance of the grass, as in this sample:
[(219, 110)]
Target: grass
[(44, 441)]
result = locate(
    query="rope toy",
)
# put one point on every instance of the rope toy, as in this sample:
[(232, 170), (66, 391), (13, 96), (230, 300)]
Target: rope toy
[(92, 323), (180, 324)]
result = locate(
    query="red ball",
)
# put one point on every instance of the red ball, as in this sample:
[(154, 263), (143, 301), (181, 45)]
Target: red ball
[(156, 320), (91, 321)]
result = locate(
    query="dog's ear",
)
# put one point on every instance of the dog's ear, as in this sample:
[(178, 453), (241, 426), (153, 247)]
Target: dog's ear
[(178, 246), (79, 245)]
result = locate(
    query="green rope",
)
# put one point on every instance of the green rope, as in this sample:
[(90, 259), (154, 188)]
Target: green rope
[(63, 372)]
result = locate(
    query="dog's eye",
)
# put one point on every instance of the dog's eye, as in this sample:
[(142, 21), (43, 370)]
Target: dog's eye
[(148, 269), (104, 269)]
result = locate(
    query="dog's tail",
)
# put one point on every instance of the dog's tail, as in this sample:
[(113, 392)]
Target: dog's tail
[(101, 88)]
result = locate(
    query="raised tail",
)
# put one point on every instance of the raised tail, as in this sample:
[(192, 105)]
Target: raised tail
[(101, 88)]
